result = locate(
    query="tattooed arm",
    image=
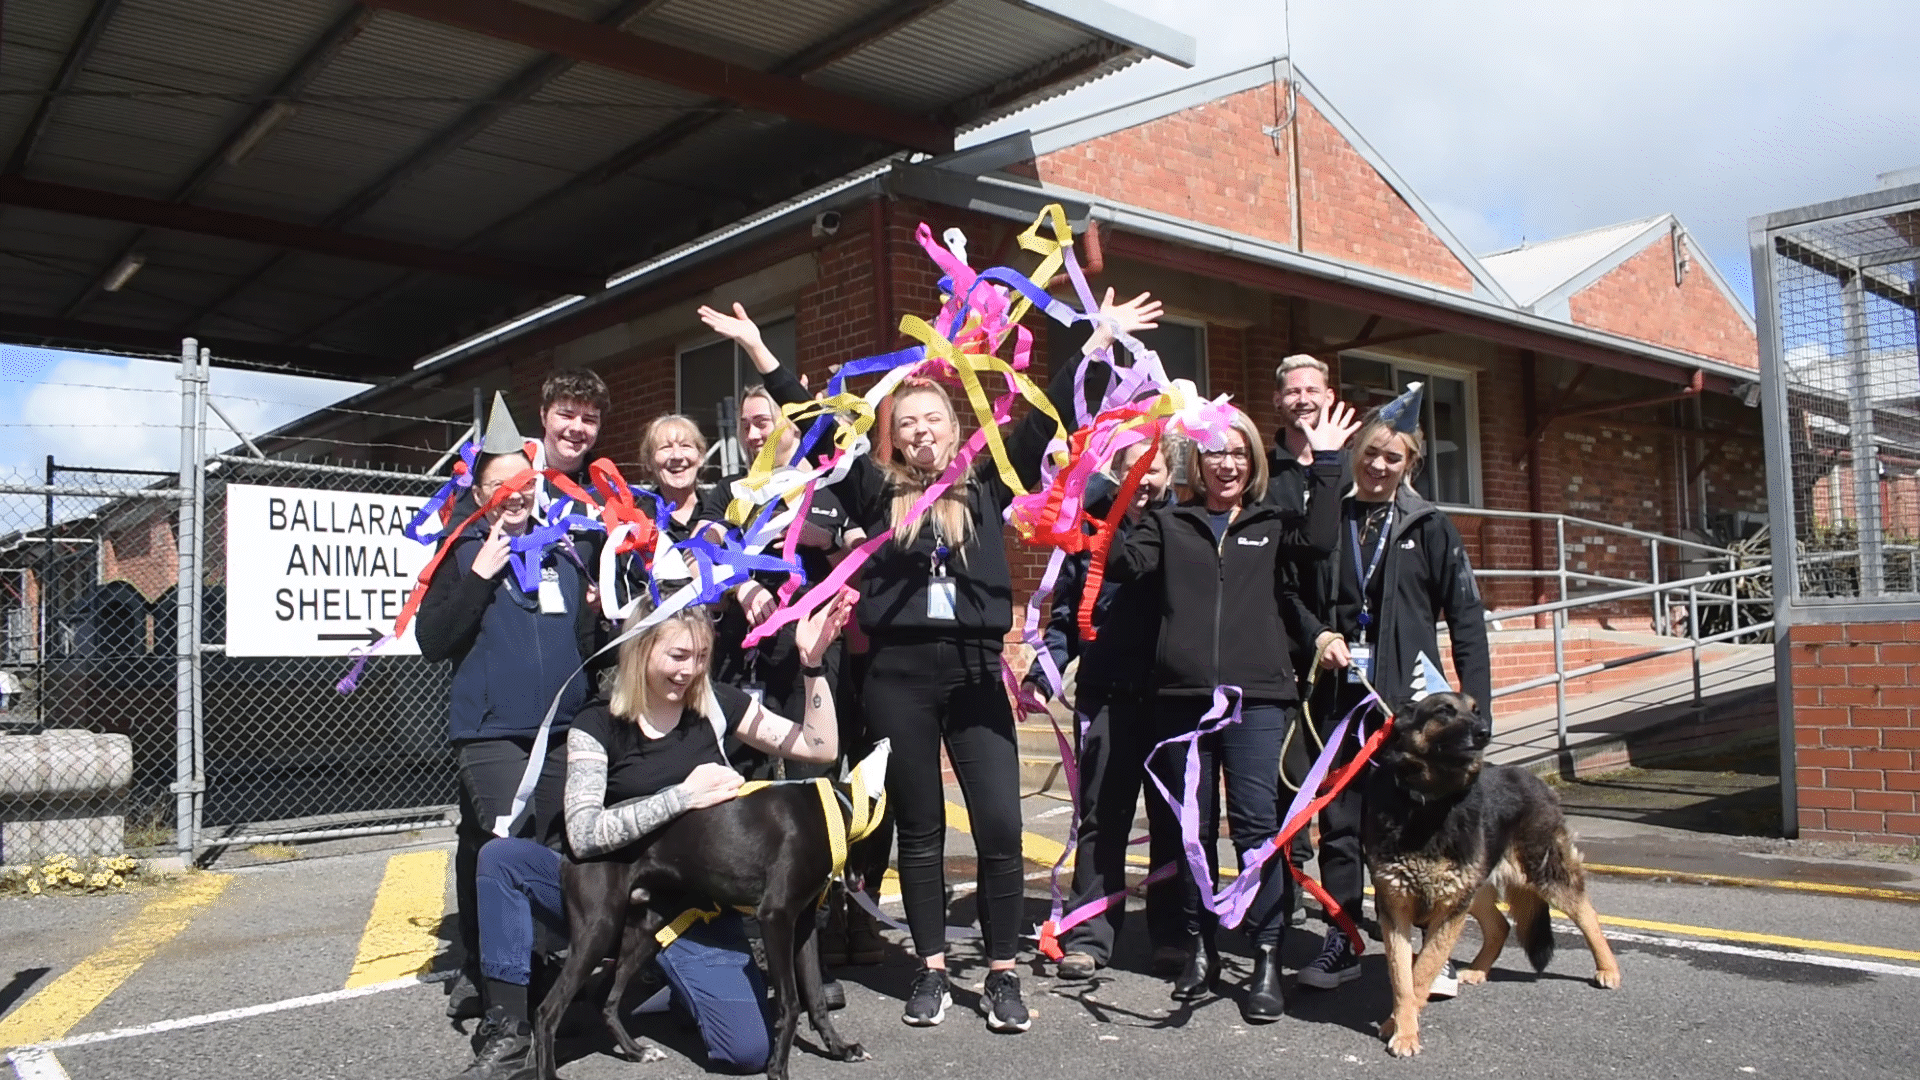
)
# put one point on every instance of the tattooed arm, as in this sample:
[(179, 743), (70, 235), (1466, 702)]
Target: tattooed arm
[(593, 828)]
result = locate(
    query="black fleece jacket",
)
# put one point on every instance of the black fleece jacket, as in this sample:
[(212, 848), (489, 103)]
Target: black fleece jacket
[(1425, 575), (1228, 610), (893, 588)]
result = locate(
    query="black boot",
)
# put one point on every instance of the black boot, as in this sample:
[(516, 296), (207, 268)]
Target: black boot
[(1201, 975), (1266, 1002)]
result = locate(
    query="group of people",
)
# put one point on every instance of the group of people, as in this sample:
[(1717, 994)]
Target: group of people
[(1281, 572)]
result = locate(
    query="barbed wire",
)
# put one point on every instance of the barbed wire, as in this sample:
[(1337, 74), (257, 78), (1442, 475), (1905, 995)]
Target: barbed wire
[(170, 391)]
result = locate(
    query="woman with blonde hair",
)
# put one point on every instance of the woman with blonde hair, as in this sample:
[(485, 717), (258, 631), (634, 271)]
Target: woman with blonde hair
[(651, 750), (936, 606), (672, 452), (1228, 617)]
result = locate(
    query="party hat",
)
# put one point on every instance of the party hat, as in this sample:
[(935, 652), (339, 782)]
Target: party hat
[(1428, 678), (1403, 412), (502, 436)]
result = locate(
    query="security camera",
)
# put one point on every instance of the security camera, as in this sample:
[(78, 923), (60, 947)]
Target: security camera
[(826, 223), (1749, 394)]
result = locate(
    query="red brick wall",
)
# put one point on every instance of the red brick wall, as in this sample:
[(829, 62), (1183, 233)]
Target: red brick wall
[(1639, 299), (1212, 163), (1856, 728)]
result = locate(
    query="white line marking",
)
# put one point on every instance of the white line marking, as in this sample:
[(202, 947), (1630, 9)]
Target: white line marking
[(1055, 812), (224, 1015), (1763, 954), (36, 1063)]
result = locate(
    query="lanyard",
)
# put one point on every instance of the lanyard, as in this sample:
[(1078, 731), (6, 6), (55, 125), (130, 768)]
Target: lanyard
[(1366, 573)]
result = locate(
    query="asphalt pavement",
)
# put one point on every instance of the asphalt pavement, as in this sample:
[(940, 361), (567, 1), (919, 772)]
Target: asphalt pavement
[(1737, 963)]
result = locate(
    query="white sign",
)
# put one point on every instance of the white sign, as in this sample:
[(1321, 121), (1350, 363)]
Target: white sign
[(318, 573)]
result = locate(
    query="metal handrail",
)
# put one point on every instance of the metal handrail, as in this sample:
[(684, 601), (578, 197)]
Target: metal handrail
[(1589, 523), (1688, 584)]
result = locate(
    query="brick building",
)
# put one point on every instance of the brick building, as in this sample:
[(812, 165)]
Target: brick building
[(1604, 375)]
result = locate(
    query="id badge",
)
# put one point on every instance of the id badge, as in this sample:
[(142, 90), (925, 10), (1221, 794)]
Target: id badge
[(940, 597), (551, 602), (757, 692), (1360, 661)]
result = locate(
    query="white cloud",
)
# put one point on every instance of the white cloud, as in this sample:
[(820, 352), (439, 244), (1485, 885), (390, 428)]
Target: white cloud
[(107, 411), (1518, 118)]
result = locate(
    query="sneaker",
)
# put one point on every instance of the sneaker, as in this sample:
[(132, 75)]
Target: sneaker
[(1336, 964), (1000, 1002), (505, 1044), (1076, 967), (927, 1001), (1446, 984), (463, 999)]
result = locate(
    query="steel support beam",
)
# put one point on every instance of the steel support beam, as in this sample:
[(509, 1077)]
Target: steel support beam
[(304, 71), (537, 28), (70, 68), (253, 229)]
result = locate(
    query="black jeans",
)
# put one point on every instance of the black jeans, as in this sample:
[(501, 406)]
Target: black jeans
[(1342, 862), (489, 773), (1249, 753), (920, 694), (1113, 763)]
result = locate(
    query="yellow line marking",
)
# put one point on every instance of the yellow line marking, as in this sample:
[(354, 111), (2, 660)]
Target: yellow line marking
[(1033, 846), (1866, 892), (1758, 939), (68, 999), (401, 938)]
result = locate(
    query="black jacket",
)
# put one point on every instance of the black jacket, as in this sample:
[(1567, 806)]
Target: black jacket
[(1425, 575), (1228, 611), (1127, 616), (509, 661), (893, 588)]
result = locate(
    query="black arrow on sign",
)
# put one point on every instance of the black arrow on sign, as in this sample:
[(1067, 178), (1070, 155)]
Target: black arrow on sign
[(372, 635)]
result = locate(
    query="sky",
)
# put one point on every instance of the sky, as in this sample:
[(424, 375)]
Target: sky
[(1512, 119)]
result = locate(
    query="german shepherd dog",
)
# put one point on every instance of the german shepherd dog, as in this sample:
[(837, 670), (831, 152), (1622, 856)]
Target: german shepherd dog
[(1445, 835), (769, 852)]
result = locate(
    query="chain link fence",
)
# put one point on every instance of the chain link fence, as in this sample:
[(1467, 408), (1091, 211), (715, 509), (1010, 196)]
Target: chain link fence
[(88, 718), (120, 733), (1842, 282)]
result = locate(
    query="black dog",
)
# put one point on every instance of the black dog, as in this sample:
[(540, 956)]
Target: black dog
[(769, 851), (1444, 834)]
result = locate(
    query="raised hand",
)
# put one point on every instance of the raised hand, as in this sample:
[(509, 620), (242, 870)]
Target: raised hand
[(740, 328), (1140, 313), (492, 556), (757, 601), (814, 633), (1336, 425)]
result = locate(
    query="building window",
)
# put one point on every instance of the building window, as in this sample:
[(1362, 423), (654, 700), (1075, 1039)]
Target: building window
[(1182, 347), (1449, 418), (712, 377)]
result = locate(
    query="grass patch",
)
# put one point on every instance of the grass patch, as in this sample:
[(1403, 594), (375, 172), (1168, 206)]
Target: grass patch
[(274, 852)]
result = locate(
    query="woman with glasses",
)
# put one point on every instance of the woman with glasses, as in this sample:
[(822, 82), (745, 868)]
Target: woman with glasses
[(1228, 617)]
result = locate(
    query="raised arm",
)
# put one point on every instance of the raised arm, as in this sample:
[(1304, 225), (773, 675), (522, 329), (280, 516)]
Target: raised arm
[(817, 737), (1139, 555), (1027, 443), (1319, 534)]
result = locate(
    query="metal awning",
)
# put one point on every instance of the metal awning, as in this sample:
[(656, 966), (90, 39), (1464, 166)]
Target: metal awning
[(341, 188)]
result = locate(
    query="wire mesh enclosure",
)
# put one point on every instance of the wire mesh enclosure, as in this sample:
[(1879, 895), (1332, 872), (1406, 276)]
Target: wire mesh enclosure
[(1839, 293)]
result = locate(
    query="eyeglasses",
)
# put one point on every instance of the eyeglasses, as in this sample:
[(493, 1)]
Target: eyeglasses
[(1214, 456)]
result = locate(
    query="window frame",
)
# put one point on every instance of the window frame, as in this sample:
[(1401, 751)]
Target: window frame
[(1468, 377), (1202, 360)]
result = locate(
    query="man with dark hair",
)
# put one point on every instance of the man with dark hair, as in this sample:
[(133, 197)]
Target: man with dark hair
[(572, 404)]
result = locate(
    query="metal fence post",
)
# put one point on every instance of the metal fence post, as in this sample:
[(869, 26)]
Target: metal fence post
[(1866, 473), (1659, 599), (1693, 631), (188, 784), (1560, 648)]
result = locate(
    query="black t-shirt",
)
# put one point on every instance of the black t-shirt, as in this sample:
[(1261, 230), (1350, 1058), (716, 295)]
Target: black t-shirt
[(1366, 520), (638, 766), (825, 511)]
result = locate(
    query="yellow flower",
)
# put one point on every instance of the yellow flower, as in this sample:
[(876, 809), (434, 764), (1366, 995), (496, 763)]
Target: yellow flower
[(118, 881), (33, 886)]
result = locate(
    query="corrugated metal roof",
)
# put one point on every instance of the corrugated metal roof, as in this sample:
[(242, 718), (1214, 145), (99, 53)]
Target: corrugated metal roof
[(1531, 271), (573, 173)]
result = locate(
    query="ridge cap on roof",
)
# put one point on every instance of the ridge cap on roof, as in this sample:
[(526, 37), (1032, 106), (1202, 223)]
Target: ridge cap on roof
[(1535, 245)]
